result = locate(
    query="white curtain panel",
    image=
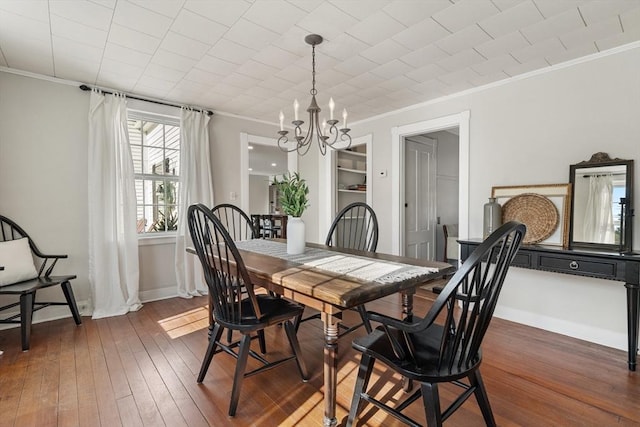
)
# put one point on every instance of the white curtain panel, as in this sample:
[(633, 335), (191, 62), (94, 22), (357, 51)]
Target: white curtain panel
[(598, 224), (113, 241), (196, 186)]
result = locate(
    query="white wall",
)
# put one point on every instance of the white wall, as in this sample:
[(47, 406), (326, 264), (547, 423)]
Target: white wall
[(529, 131), (258, 194), (43, 173)]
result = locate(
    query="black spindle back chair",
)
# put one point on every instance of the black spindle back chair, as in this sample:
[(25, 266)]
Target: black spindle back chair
[(355, 227), (235, 304), (433, 353)]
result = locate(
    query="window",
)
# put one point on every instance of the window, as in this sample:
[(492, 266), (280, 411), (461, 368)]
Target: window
[(155, 149)]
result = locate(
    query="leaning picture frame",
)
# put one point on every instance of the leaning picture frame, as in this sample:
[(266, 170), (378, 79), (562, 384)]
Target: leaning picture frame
[(558, 194)]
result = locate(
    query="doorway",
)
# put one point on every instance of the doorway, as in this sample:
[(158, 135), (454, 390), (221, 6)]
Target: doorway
[(455, 123), (420, 197), (267, 150)]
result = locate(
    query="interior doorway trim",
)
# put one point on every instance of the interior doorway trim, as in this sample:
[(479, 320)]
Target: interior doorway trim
[(245, 140), (398, 134)]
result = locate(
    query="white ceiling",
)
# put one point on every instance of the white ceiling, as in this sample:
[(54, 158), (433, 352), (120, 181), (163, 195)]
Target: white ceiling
[(248, 57)]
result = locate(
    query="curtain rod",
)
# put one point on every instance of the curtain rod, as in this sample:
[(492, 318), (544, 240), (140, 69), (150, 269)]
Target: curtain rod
[(86, 88)]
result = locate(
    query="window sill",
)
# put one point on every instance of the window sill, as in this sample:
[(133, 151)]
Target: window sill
[(162, 239)]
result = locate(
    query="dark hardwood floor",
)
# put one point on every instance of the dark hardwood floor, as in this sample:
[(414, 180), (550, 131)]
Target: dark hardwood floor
[(140, 370)]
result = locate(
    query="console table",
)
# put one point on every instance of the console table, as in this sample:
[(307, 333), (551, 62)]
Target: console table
[(601, 265)]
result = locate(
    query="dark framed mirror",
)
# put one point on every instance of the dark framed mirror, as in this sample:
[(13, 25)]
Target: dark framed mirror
[(602, 204)]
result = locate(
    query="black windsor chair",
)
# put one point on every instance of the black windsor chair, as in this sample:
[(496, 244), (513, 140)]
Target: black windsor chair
[(235, 305), (355, 227), (27, 289), (240, 227), (433, 353)]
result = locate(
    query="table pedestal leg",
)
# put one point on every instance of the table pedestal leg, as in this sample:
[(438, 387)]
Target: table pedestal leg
[(407, 304), (330, 368), (407, 314)]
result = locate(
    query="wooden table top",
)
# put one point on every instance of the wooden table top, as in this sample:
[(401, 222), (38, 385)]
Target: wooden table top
[(298, 281)]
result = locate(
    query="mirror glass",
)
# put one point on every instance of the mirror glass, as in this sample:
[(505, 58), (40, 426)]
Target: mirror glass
[(602, 205)]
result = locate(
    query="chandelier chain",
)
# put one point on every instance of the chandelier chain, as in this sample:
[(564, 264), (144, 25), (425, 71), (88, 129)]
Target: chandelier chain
[(313, 90)]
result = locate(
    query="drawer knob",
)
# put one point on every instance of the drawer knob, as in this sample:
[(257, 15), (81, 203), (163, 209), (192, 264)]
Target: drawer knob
[(573, 265)]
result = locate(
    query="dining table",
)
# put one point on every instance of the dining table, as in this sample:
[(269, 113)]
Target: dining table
[(332, 280)]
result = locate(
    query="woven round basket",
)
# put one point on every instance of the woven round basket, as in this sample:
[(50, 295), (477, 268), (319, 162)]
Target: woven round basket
[(537, 212)]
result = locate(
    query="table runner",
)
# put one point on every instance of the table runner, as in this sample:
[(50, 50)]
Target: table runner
[(362, 268)]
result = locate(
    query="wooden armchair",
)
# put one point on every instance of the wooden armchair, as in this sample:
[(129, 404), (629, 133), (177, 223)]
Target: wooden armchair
[(20, 277)]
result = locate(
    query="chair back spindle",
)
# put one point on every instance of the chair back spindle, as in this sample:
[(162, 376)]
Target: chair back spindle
[(236, 221)]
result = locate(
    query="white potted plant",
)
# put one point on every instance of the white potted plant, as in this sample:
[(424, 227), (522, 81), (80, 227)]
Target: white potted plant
[(294, 199)]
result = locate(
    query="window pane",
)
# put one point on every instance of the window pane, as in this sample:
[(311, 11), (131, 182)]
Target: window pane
[(148, 195), (173, 157), (155, 151), (136, 155), (154, 134), (139, 185), (172, 137), (135, 133), (153, 161)]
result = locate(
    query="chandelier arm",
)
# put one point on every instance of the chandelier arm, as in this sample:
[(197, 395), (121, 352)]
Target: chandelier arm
[(283, 140), (333, 132), (346, 137)]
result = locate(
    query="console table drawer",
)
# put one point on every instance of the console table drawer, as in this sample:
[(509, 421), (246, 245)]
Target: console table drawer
[(602, 268)]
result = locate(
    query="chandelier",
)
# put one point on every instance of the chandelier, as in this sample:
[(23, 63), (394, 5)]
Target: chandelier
[(317, 130)]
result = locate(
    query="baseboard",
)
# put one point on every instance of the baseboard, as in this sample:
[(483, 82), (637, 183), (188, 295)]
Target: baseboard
[(53, 312), (159, 294), (592, 334), (85, 307)]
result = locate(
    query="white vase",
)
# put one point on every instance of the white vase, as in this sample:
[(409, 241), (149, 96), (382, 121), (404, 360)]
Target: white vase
[(295, 235)]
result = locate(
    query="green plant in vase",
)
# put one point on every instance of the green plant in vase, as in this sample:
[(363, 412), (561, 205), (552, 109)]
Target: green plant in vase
[(293, 193), (294, 199)]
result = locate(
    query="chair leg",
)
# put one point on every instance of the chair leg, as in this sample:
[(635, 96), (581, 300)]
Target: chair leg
[(71, 302), (295, 346), (362, 381), (26, 315), (261, 341), (475, 379), (238, 377), (211, 348), (296, 321), (431, 399), (365, 317)]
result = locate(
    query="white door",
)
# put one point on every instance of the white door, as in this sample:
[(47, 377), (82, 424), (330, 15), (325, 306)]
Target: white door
[(420, 197)]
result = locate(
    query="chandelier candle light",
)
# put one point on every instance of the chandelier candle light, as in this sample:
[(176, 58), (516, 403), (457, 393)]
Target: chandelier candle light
[(303, 142)]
